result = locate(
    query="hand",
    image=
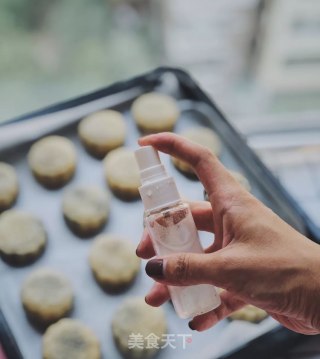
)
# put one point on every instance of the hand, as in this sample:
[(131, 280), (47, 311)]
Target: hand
[(256, 257)]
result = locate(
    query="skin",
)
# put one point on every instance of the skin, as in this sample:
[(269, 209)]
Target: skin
[(256, 257)]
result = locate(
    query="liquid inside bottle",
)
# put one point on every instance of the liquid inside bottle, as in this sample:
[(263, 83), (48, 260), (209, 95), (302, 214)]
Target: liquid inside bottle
[(173, 230)]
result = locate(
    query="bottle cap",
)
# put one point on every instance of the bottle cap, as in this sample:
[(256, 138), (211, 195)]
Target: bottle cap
[(158, 190), (147, 157)]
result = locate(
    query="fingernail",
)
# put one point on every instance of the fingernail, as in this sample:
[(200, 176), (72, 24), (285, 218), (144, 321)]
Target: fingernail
[(191, 326), (146, 299), (154, 268)]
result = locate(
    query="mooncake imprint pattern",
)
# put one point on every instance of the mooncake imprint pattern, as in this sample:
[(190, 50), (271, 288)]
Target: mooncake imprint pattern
[(47, 296), (102, 132), (52, 161), (122, 173), (113, 262), (9, 187), (85, 209), (155, 112), (135, 316), (70, 339), (22, 237), (203, 136)]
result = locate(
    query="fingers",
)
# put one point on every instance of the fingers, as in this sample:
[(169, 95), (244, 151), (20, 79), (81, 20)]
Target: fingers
[(158, 295), (184, 269), (229, 304), (145, 248), (208, 168), (203, 217), (223, 190)]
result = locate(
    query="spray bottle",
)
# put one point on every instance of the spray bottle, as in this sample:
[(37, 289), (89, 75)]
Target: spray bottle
[(172, 230)]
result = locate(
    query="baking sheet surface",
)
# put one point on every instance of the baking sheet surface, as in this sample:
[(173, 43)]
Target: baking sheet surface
[(295, 166), (69, 254)]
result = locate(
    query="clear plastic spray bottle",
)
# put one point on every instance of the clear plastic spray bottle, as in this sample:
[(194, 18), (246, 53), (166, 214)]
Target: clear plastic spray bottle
[(172, 230)]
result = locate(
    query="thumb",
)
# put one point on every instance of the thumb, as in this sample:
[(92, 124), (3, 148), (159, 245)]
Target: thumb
[(184, 269)]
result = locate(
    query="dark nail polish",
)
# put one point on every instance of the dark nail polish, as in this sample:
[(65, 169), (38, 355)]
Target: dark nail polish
[(191, 326), (154, 268)]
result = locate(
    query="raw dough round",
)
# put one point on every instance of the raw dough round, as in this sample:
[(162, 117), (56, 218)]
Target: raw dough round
[(70, 339), (155, 112), (9, 187), (46, 296), (102, 132), (134, 316), (22, 237), (122, 173), (203, 136), (85, 209), (249, 313), (52, 161), (113, 262)]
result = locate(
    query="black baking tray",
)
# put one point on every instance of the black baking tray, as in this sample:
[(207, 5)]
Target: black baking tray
[(280, 337)]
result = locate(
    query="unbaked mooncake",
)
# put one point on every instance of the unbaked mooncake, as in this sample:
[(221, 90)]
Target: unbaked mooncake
[(155, 112), (52, 161), (102, 132)]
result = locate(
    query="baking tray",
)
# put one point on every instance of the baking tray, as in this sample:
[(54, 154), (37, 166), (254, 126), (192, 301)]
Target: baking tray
[(69, 254), (294, 158)]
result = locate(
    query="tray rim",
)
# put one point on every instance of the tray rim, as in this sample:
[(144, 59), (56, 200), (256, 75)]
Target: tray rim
[(151, 78), (188, 84)]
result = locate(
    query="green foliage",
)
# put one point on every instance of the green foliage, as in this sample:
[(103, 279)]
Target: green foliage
[(53, 49)]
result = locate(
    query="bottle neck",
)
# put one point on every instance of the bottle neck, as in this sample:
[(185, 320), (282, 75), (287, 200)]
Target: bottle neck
[(152, 174), (159, 194), (161, 209)]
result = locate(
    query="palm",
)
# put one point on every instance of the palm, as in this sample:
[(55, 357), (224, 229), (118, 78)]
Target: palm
[(249, 255), (294, 324)]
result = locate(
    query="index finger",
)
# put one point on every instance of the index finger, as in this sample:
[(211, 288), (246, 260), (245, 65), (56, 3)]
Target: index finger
[(213, 175)]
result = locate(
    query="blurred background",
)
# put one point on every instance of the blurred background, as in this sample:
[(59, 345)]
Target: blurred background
[(258, 59)]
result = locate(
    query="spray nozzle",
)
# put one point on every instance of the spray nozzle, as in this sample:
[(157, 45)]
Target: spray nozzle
[(158, 190), (147, 157), (149, 164)]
